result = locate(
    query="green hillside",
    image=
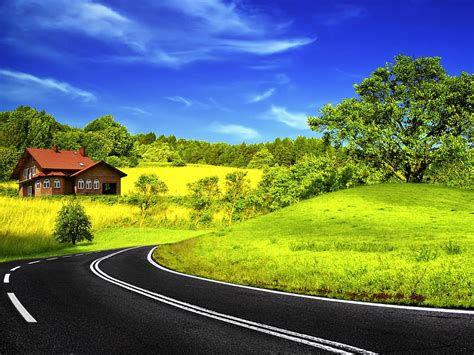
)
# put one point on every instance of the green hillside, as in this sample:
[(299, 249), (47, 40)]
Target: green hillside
[(396, 243)]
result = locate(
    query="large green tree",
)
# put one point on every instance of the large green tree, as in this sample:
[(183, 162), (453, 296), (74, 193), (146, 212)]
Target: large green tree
[(406, 117)]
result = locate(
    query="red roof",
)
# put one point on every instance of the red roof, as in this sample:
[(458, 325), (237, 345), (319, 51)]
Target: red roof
[(60, 160)]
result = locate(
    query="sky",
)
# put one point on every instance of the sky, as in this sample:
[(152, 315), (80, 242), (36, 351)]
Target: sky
[(215, 70)]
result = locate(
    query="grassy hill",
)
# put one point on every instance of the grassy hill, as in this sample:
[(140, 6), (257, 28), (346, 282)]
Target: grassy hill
[(395, 243)]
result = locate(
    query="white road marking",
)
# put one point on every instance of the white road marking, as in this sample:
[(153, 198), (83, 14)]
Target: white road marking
[(20, 308), (79, 255), (15, 268), (319, 343), (34, 262), (360, 303), (66, 256), (6, 279), (51, 259)]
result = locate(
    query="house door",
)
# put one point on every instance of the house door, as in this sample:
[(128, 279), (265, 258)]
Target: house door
[(29, 191), (109, 188)]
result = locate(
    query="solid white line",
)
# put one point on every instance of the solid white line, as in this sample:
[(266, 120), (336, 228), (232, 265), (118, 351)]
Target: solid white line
[(20, 308), (282, 333), (360, 303), (6, 279), (15, 268), (34, 262), (51, 259)]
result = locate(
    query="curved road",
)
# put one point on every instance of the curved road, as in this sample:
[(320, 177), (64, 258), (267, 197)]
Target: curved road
[(118, 301)]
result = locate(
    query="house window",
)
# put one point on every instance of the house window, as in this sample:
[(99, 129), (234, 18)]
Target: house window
[(38, 184), (80, 184), (57, 183), (46, 184), (33, 170), (25, 173), (96, 184), (89, 184)]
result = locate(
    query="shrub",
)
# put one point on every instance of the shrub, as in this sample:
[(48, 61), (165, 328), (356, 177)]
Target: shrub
[(72, 224), (178, 162)]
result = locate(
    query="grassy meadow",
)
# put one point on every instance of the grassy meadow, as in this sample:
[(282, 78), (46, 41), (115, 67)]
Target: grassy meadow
[(394, 243), (26, 224), (177, 178)]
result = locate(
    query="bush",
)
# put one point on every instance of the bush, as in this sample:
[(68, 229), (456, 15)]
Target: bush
[(72, 224), (178, 162)]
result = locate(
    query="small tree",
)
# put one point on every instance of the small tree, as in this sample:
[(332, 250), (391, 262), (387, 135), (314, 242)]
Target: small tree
[(72, 224), (148, 188), (237, 188), (203, 195)]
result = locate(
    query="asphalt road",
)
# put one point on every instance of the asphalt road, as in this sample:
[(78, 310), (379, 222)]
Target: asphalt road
[(121, 303)]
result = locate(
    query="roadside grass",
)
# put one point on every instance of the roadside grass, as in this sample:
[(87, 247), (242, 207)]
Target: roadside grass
[(26, 224), (392, 243), (109, 238), (177, 178)]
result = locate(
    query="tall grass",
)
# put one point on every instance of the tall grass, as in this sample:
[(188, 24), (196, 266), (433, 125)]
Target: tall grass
[(395, 243)]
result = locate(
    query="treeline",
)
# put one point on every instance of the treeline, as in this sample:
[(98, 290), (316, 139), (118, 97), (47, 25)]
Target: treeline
[(106, 139)]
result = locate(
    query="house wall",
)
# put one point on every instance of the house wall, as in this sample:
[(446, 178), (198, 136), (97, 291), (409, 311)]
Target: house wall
[(27, 181), (66, 186), (101, 172)]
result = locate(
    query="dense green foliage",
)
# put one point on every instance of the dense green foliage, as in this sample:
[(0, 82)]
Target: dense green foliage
[(395, 243), (409, 118), (73, 224)]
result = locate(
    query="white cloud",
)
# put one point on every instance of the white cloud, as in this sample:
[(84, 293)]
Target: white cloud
[(179, 99), (19, 80), (291, 119), (263, 96), (264, 47), (182, 32), (219, 106), (136, 110), (235, 130)]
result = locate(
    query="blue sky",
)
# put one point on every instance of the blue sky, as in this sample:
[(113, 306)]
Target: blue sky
[(214, 70)]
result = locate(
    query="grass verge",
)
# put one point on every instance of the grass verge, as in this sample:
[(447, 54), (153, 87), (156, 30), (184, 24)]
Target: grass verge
[(111, 238), (392, 243)]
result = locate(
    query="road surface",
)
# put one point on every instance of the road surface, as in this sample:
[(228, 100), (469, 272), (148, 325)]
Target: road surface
[(120, 302)]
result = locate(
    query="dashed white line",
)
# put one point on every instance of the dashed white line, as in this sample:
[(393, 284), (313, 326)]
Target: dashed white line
[(66, 256), (79, 255), (15, 268), (34, 262), (6, 279), (51, 259), (26, 315), (323, 344)]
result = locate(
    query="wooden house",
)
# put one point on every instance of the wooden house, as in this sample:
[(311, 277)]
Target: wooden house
[(64, 172)]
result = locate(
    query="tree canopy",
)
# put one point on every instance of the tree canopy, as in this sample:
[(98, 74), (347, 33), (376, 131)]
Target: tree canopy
[(407, 117)]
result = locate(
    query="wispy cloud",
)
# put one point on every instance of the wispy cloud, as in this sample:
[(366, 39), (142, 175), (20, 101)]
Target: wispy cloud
[(292, 119), (136, 110), (238, 131), (21, 80), (179, 99), (220, 29), (263, 96), (219, 106)]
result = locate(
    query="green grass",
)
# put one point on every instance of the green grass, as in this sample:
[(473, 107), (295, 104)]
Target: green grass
[(110, 238), (393, 243)]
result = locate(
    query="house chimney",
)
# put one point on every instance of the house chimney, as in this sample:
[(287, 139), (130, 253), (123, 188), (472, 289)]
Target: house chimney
[(82, 151), (56, 149)]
